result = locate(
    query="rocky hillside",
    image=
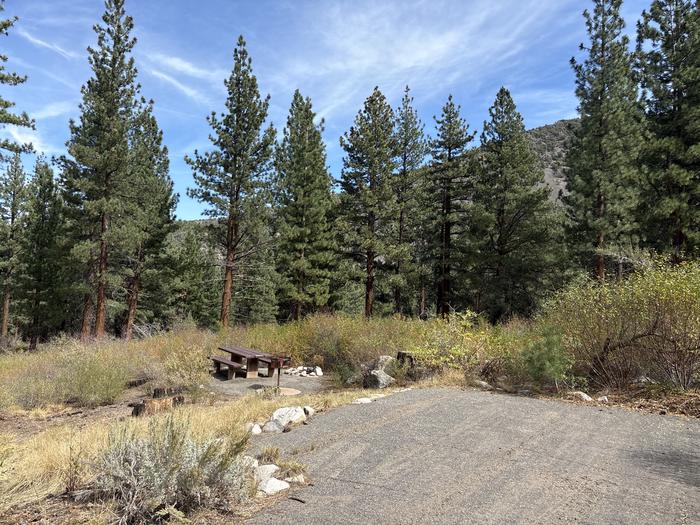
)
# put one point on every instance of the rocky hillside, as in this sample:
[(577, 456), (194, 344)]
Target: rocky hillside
[(550, 142)]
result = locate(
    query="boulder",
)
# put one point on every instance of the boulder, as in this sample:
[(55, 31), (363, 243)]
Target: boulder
[(384, 363), (273, 426), (602, 399), (288, 415), (482, 384), (249, 462), (309, 411), (362, 401), (582, 396), (318, 371), (265, 472), (299, 478), (378, 379), (253, 428), (273, 486)]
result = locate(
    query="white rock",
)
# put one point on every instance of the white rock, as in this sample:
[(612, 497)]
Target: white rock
[(362, 401), (318, 371), (256, 430), (265, 472), (249, 462), (309, 411), (286, 415), (299, 478), (483, 384), (602, 399), (272, 426), (582, 396), (273, 486), (303, 374), (312, 374)]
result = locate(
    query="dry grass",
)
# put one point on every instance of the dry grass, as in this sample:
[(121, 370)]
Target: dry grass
[(61, 459)]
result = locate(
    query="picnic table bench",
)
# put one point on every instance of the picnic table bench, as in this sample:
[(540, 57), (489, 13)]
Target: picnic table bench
[(251, 359)]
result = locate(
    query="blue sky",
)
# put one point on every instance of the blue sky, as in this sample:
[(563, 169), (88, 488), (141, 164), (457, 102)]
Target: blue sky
[(333, 51)]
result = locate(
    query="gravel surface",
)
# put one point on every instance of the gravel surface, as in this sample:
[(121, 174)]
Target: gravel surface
[(454, 457)]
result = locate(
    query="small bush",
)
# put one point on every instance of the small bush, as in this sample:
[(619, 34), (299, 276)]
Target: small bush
[(545, 360), (167, 473), (647, 324)]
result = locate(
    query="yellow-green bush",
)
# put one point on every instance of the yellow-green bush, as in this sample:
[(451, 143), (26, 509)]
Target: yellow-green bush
[(647, 324)]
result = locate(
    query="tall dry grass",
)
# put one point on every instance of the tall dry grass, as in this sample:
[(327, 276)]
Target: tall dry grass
[(64, 458)]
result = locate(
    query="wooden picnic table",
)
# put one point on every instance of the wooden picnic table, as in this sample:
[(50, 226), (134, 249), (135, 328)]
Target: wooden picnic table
[(251, 359)]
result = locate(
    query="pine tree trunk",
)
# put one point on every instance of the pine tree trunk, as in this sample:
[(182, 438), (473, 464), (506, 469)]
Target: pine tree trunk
[(444, 285), (133, 296), (6, 298), (101, 306), (397, 289), (132, 305), (423, 300), (296, 311), (231, 236), (369, 285), (599, 259), (86, 318)]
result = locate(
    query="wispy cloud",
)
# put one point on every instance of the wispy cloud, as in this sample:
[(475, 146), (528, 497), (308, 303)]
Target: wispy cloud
[(48, 45), (180, 65), (433, 46), (55, 109), (188, 91), (29, 136)]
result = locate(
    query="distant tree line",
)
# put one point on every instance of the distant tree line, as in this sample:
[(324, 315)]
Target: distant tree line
[(418, 224)]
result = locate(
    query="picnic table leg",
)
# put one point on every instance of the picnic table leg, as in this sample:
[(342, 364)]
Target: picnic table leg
[(231, 372), (251, 368)]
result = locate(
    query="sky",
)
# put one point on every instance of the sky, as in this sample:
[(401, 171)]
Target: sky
[(334, 51)]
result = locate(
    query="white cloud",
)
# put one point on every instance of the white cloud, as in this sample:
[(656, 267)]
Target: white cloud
[(55, 109), (180, 65), (48, 45), (188, 91), (432, 45), (29, 136)]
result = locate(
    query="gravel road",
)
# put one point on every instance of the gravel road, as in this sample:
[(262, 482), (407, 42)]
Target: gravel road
[(455, 457)]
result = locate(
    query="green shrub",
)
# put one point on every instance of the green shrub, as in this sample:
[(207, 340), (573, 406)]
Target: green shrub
[(647, 324), (545, 360), (167, 473)]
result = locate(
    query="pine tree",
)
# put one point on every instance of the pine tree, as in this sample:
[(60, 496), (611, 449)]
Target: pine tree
[(367, 202), (41, 278), (152, 211), (194, 276), (667, 41), (411, 147), (446, 193), (96, 175), (603, 176), (305, 245), (513, 225), (13, 196), (7, 117), (230, 178)]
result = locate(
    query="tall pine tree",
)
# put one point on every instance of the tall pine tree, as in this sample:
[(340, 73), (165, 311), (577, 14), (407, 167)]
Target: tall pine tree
[(230, 179), (13, 197), (667, 51), (603, 175), (411, 149), (513, 225), (446, 194), (305, 244), (152, 211), (7, 117), (96, 174), (367, 199), (41, 282)]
